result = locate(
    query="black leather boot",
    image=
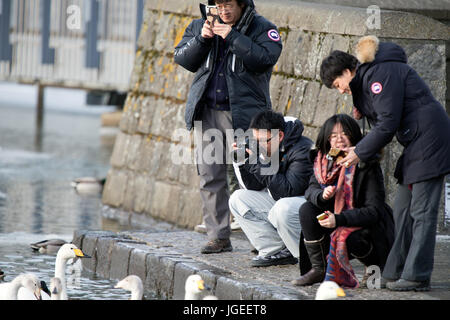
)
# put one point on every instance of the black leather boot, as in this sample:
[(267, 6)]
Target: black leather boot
[(317, 252)]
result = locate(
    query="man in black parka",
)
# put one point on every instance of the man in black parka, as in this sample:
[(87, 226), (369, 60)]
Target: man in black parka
[(396, 101), (233, 62)]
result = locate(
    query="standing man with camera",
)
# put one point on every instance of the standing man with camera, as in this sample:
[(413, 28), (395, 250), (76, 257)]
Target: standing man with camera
[(233, 58)]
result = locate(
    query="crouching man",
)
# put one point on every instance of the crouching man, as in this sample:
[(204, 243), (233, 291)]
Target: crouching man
[(267, 210)]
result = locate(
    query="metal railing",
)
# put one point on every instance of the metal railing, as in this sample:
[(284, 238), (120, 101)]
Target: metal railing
[(87, 44)]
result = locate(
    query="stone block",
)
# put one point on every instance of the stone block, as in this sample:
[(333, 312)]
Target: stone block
[(134, 152), (120, 258), (138, 263), (309, 105), (167, 118), (229, 289), (104, 249), (295, 104), (115, 188), (147, 113), (181, 273), (130, 191), (119, 155), (190, 204), (326, 106), (90, 248), (143, 192), (165, 201), (78, 236), (160, 272)]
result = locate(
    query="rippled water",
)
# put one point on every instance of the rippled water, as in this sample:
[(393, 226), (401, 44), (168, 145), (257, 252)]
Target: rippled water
[(37, 201)]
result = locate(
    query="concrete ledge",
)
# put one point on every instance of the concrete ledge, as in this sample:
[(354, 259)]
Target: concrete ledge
[(164, 260)]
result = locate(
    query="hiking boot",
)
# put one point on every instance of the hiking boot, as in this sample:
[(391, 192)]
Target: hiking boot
[(406, 285), (281, 258), (317, 252), (217, 246)]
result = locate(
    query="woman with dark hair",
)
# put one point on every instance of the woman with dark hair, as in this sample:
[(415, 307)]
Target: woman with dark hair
[(345, 215)]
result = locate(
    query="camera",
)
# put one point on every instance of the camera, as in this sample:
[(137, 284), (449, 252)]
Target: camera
[(240, 154), (212, 14)]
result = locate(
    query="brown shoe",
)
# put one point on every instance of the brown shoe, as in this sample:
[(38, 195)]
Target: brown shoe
[(317, 252), (217, 246), (308, 279)]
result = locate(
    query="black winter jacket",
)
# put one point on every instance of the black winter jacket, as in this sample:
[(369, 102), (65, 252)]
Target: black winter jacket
[(396, 100), (370, 212), (254, 48), (295, 166)]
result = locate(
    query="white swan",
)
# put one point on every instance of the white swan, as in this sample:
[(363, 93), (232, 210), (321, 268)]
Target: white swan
[(66, 252), (10, 290), (329, 290), (194, 286), (55, 288), (48, 246), (134, 284)]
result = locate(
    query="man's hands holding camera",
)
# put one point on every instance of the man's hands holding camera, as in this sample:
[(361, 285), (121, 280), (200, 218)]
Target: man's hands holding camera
[(219, 29)]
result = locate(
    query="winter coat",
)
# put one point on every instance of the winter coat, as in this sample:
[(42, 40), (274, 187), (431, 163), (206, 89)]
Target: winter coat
[(254, 48), (295, 166), (396, 100), (370, 212)]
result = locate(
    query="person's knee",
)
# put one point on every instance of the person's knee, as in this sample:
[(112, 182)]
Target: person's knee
[(236, 198), (283, 211), (306, 212)]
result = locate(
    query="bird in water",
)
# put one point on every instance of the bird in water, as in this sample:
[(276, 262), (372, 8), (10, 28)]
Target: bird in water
[(88, 185), (49, 246), (134, 284)]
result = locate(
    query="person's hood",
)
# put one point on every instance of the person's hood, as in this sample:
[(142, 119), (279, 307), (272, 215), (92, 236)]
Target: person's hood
[(293, 131), (370, 51)]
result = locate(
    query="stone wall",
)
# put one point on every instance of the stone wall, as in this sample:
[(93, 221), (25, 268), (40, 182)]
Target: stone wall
[(143, 179)]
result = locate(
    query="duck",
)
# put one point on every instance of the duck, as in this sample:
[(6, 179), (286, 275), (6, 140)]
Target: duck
[(10, 290), (88, 185), (49, 246), (134, 284), (66, 252), (194, 286), (329, 290), (55, 288)]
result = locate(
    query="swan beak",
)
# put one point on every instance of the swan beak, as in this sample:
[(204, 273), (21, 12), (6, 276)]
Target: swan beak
[(340, 292), (201, 285), (37, 294), (80, 253), (55, 291)]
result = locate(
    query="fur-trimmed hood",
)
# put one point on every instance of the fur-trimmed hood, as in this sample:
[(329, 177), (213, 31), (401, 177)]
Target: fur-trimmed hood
[(371, 51)]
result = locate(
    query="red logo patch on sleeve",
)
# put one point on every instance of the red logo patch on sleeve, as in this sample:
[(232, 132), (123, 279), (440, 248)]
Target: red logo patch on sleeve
[(376, 87), (274, 35)]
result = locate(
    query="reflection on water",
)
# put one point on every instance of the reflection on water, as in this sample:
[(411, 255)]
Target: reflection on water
[(36, 198)]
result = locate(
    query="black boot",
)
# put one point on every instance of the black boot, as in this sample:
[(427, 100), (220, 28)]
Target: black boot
[(317, 252)]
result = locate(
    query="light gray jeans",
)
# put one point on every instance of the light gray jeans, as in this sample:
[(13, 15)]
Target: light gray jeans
[(269, 225)]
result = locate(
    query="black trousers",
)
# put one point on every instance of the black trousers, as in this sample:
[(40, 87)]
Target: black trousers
[(359, 244)]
